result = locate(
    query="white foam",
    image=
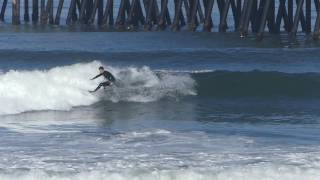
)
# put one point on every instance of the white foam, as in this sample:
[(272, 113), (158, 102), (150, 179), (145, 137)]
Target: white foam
[(145, 85), (189, 71), (62, 88), (246, 173), (134, 134)]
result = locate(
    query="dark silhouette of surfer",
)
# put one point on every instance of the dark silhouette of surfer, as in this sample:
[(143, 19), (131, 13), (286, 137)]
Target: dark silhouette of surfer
[(108, 77)]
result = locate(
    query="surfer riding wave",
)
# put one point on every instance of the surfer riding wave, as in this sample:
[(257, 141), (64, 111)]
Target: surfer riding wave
[(110, 79)]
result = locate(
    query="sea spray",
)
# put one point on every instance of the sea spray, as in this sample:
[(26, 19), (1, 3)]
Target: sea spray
[(145, 85)]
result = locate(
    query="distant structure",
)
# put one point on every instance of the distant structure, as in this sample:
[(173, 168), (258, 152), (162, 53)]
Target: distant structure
[(247, 16)]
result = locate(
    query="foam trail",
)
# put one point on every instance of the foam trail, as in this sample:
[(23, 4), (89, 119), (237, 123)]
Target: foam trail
[(145, 85), (62, 88)]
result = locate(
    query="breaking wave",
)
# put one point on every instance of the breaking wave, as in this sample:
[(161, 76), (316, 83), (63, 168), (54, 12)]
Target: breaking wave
[(65, 87), (62, 88)]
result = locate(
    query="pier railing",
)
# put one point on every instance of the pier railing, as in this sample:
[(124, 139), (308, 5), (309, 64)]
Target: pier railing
[(243, 16)]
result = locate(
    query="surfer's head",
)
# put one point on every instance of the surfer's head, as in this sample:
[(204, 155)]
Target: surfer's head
[(101, 69)]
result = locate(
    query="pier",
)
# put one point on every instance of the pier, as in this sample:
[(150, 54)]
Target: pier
[(244, 16)]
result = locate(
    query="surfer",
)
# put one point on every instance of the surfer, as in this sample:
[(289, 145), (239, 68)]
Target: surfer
[(108, 77)]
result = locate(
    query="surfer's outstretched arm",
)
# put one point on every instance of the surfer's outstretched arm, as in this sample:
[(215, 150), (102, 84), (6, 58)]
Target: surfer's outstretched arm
[(96, 76)]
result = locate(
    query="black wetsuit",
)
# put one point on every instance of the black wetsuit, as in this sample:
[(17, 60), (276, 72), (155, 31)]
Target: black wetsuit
[(108, 76)]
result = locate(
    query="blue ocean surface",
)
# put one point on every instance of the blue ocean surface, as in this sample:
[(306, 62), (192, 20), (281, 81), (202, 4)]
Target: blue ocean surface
[(185, 106)]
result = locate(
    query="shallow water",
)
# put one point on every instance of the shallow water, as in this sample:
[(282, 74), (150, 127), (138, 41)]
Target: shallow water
[(185, 106)]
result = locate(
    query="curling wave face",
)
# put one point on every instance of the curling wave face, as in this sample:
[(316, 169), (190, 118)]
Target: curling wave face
[(62, 88)]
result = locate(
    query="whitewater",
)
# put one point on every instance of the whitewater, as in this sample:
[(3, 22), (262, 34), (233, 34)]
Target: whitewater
[(267, 173), (62, 88), (135, 155)]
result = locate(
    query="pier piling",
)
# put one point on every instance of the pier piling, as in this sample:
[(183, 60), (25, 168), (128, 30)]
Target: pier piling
[(3, 9), (26, 11), (15, 12), (58, 14)]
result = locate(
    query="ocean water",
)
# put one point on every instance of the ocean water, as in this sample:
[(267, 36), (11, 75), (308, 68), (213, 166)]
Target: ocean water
[(186, 106)]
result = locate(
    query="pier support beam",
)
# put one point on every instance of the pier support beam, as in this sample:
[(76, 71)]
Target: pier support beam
[(83, 15), (238, 15), (71, 12), (297, 18), (208, 24), (271, 17), (135, 16), (15, 12), (282, 14), (194, 18), (266, 9), (100, 12), (164, 19), (223, 19), (35, 11), (108, 14), (245, 18), (26, 11), (308, 16), (3, 10), (316, 31), (58, 14), (96, 3), (152, 14), (178, 20), (49, 11), (123, 10), (43, 15)]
